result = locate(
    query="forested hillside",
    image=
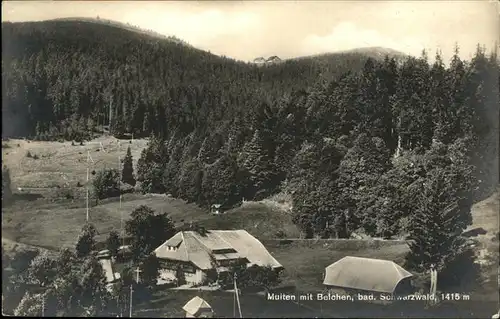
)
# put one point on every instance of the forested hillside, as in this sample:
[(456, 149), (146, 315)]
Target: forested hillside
[(61, 77), (379, 146)]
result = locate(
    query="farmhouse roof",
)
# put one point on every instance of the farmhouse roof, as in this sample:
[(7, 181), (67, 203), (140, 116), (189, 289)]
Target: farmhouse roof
[(107, 266), (365, 274), (191, 246), (196, 305)]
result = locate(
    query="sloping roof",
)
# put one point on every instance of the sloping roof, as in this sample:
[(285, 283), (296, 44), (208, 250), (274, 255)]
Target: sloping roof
[(108, 270), (365, 274), (200, 249), (249, 247), (196, 305)]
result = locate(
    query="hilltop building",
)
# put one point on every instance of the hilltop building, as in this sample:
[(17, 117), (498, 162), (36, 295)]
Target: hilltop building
[(200, 255), (367, 275)]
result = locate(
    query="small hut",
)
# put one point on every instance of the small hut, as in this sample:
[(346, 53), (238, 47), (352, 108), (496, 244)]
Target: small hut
[(198, 308)]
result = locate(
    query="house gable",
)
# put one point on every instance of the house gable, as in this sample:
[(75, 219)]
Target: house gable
[(216, 248)]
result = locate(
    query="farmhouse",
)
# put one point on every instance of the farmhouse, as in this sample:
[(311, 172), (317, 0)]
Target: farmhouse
[(367, 276), (202, 255)]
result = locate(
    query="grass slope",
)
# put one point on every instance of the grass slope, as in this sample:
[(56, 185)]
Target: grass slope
[(61, 164)]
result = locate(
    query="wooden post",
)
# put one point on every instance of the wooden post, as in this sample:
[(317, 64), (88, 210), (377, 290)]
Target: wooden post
[(433, 283), (120, 193), (88, 157), (237, 295), (130, 308)]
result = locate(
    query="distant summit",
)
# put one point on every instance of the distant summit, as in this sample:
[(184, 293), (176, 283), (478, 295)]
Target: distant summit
[(259, 60), (125, 26), (271, 60)]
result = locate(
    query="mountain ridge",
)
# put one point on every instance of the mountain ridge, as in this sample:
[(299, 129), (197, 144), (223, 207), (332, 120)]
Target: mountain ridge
[(123, 65), (374, 52)]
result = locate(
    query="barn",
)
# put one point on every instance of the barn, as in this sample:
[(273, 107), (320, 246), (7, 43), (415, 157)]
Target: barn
[(213, 251), (368, 276)]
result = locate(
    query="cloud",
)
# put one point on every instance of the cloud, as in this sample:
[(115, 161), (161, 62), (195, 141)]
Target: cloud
[(347, 35)]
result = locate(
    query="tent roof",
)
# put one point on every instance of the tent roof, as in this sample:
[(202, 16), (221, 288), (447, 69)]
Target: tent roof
[(196, 304), (365, 274)]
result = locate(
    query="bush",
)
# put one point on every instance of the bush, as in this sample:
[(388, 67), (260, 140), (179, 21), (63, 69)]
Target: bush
[(113, 243), (28, 154), (35, 157), (280, 234), (67, 193), (106, 183)]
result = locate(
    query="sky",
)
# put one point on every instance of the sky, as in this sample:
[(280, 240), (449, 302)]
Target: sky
[(245, 30)]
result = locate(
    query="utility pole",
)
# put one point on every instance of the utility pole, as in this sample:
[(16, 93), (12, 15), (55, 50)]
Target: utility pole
[(89, 158), (237, 295), (120, 194), (110, 114), (130, 310)]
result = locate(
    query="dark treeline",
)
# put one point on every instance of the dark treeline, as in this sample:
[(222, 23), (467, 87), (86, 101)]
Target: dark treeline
[(61, 78), (391, 148), (351, 151)]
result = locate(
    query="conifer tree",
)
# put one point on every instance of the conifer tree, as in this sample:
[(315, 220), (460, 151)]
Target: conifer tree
[(6, 185), (86, 242), (151, 165), (190, 179), (358, 174), (128, 169), (220, 184), (256, 161), (113, 243), (441, 208)]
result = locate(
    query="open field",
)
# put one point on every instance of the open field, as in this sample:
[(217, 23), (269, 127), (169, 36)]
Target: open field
[(12, 248), (57, 224), (54, 225), (60, 164)]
